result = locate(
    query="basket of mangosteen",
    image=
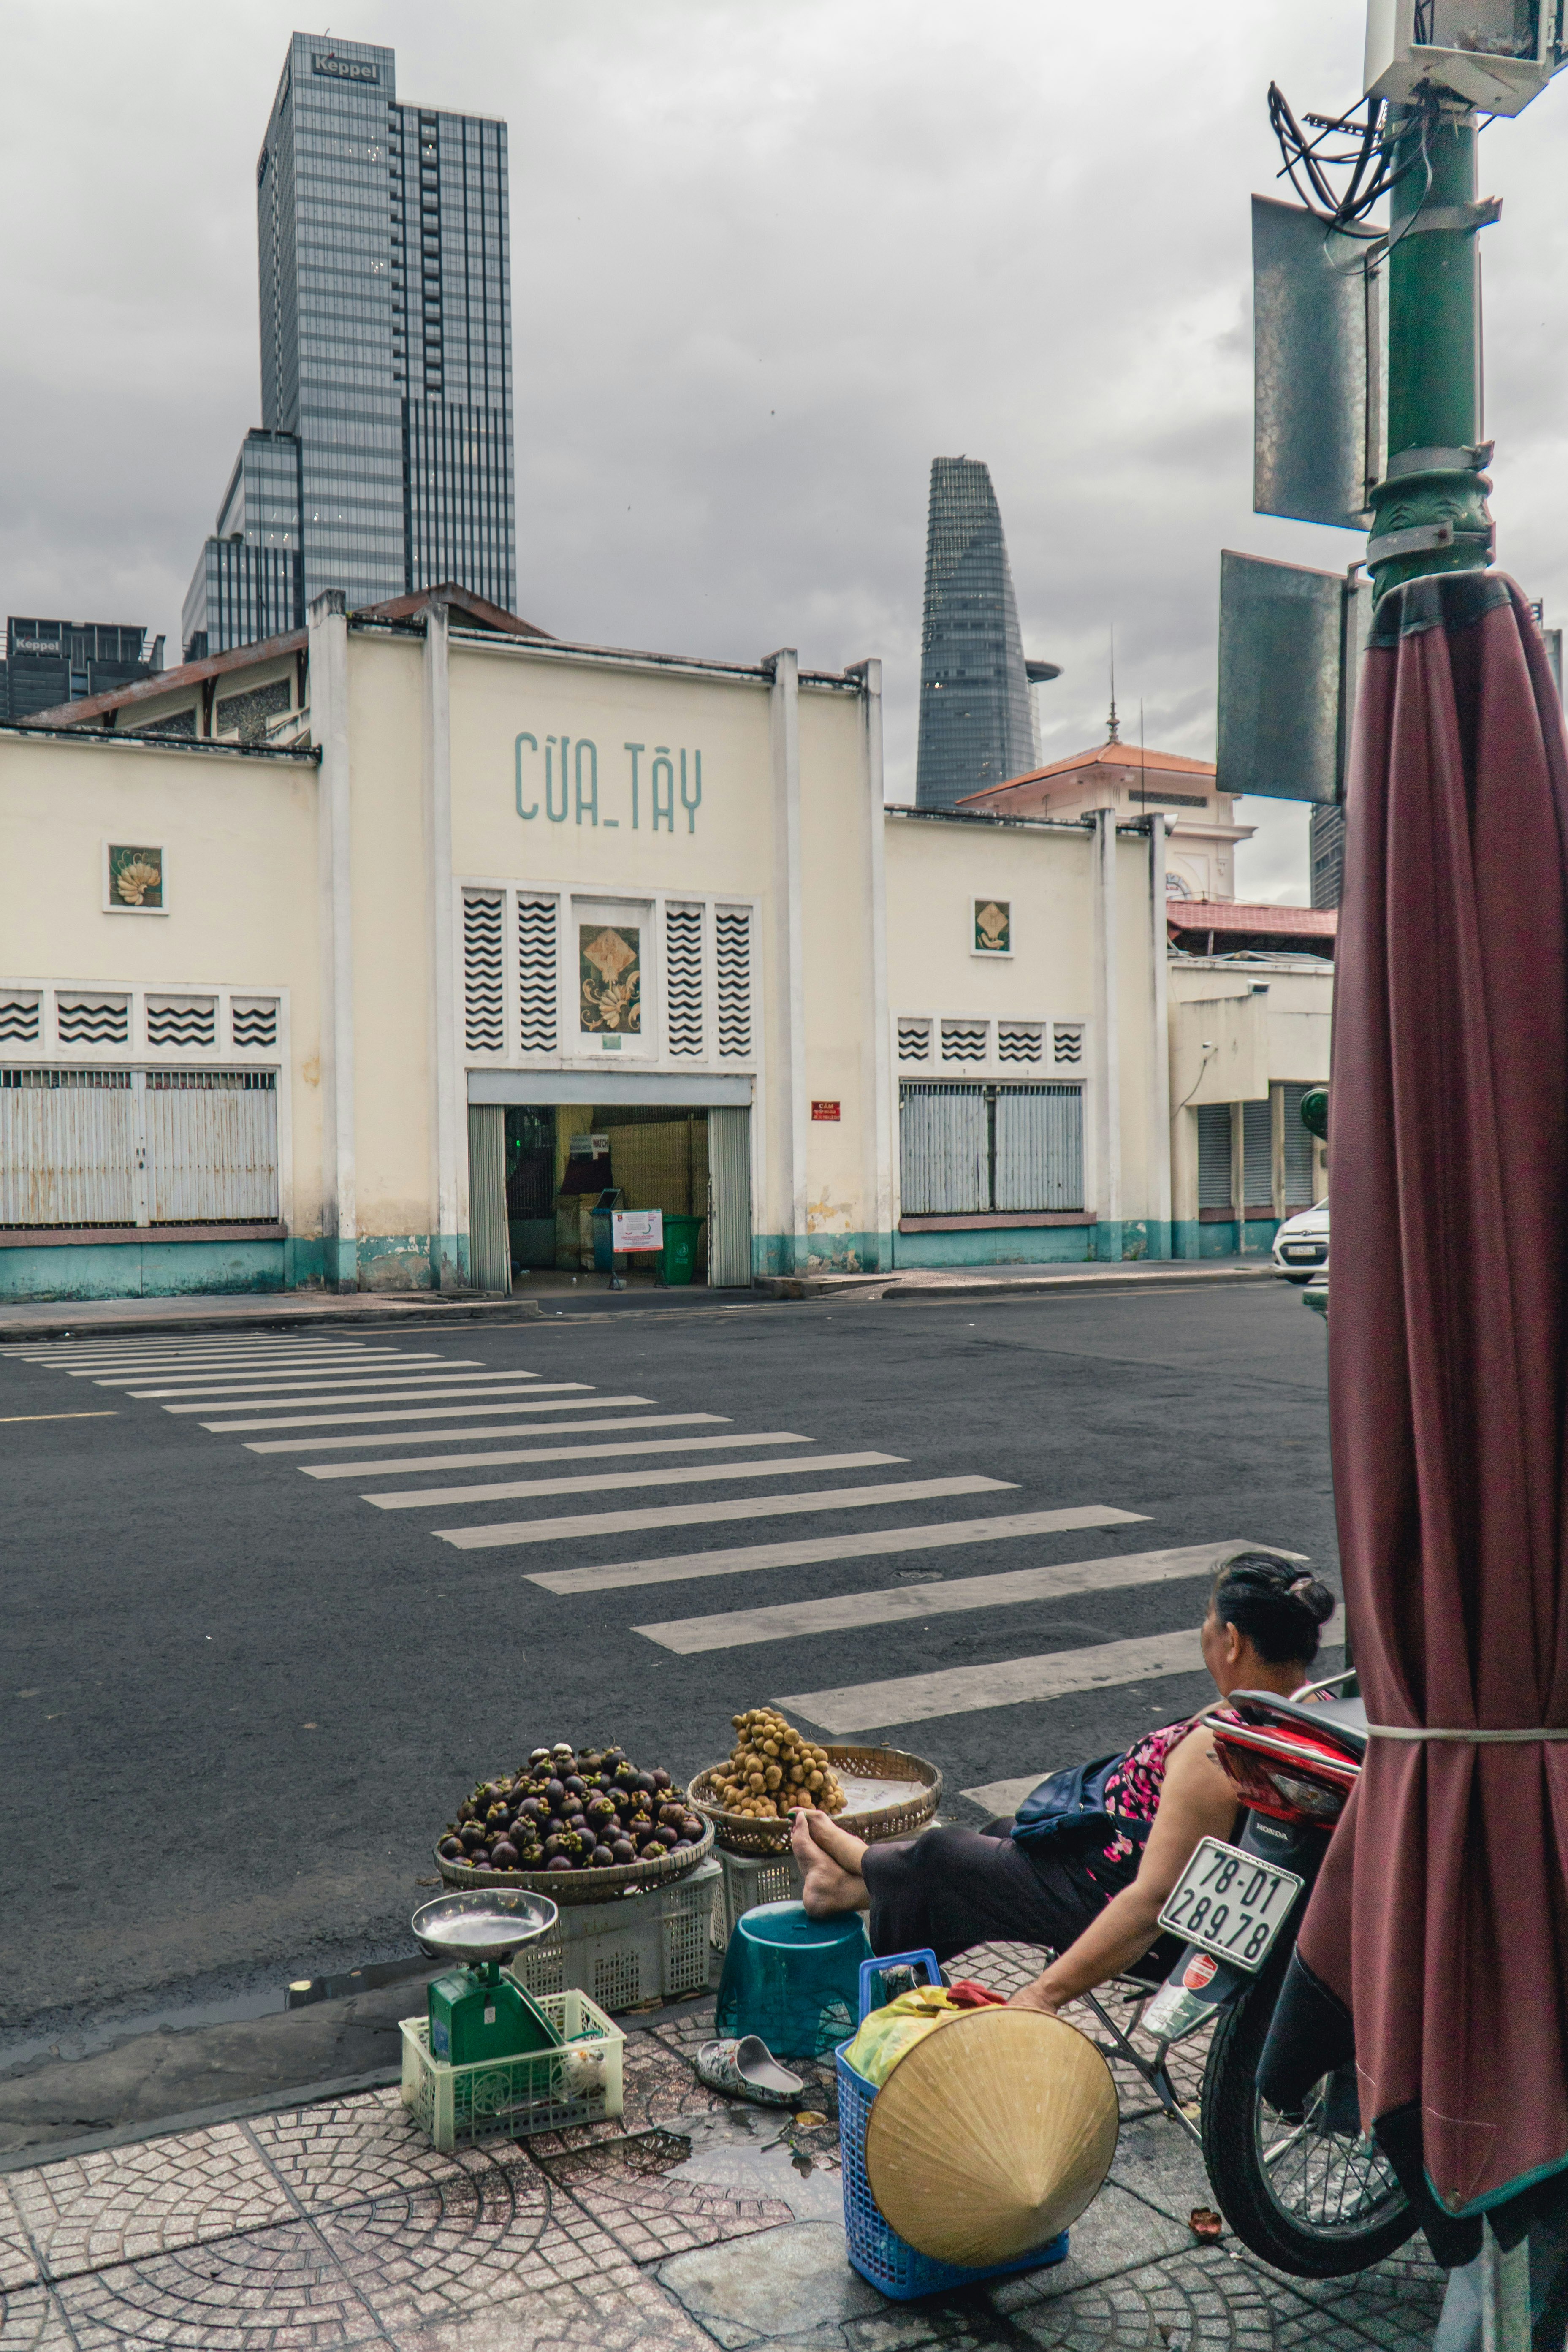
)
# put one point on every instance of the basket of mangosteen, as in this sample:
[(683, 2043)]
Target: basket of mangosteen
[(579, 1824)]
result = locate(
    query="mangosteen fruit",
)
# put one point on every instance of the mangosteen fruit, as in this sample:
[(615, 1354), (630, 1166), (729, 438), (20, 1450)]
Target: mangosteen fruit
[(625, 1774), (623, 1851), (451, 1847), (472, 1835), (503, 1854), (659, 1777), (556, 1792), (564, 1747), (554, 1846), (558, 1861), (646, 1782), (602, 1858), (466, 1810), (538, 1756), (574, 1785), (612, 1757), (531, 1809)]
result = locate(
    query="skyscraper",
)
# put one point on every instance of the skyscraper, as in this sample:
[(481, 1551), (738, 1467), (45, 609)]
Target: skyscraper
[(386, 295), (975, 727)]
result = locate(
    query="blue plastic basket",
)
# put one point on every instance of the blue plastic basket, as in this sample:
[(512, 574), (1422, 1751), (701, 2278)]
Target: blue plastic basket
[(893, 2266)]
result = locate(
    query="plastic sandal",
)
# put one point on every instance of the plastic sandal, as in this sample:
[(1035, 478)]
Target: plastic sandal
[(748, 2070)]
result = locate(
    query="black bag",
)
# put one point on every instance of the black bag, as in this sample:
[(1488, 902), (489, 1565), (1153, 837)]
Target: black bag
[(1072, 1798)]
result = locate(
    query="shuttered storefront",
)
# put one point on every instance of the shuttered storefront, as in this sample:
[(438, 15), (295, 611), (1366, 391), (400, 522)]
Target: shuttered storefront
[(977, 1148), (117, 1148), (1213, 1158), (1257, 1158), (1299, 1143)]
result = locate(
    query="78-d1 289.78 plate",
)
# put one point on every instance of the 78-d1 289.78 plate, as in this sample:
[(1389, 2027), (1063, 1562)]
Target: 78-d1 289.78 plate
[(1231, 1903)]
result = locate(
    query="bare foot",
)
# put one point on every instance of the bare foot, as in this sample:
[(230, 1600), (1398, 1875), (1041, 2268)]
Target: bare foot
[(833, 1880)]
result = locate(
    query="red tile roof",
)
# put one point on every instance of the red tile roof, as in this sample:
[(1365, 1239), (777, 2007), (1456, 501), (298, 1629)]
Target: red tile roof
[(1102, 755), (1231, 916)]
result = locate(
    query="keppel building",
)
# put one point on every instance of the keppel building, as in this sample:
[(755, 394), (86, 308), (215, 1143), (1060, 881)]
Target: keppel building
[(975, 722), (51, 662), (384, 462)]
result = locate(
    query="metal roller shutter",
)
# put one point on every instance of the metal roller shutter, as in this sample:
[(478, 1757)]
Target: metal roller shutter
[(730, 1198), (1213, 1156)]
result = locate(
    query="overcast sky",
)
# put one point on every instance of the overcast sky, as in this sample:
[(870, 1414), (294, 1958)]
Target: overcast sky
[(769, 259)]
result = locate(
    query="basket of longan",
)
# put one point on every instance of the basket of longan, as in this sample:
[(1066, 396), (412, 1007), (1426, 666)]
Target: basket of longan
[(874, 1792)]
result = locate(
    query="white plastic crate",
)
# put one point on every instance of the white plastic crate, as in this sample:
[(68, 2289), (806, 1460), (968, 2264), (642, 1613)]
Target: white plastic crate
[(749, 1879), (647, 1947), (547, 2090)]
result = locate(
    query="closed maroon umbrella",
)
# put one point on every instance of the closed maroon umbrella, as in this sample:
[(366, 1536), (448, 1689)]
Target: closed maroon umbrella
[(1441, 1915)]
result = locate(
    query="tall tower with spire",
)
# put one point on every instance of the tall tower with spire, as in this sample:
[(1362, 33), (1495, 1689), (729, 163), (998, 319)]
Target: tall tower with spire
[(975, 727)]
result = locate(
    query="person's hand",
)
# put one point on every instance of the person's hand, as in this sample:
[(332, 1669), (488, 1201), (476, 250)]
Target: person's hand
[(1036, 1996)]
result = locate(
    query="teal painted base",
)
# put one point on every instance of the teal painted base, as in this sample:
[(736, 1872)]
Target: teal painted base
[(145, 1270), (1189, 1239), (775, 1254)]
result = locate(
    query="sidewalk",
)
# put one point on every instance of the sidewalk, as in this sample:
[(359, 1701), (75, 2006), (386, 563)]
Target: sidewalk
[(558, 1295), (694, 2222)]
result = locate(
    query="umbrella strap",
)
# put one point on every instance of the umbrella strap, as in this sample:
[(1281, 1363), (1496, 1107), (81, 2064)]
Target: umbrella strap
[(1469, 1739)]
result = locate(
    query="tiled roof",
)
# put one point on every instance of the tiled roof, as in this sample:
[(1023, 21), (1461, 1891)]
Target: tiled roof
[(1101, 755), (1229, 914)]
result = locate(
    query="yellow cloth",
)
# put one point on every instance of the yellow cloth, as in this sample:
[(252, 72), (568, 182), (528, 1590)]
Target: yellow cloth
[(887, 2033)]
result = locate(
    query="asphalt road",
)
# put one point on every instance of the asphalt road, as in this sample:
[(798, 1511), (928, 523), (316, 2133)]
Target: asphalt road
[(239, 1703)]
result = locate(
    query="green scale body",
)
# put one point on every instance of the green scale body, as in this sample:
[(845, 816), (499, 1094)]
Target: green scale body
[(476, 2014)]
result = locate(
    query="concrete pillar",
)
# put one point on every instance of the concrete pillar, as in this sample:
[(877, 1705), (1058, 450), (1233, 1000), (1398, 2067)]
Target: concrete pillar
[(449, 1174), (1107, 1043), (879, 1111), (328, 644), (1160, 1138), (789, 953)]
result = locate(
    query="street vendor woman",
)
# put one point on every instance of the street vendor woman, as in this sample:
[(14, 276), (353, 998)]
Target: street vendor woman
[(1091, 1893)]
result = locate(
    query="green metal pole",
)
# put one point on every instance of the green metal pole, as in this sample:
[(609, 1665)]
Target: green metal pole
[(1429, 510)]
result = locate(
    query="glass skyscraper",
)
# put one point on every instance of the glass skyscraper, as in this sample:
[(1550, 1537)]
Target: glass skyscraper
[(975, 723), (385, 290)]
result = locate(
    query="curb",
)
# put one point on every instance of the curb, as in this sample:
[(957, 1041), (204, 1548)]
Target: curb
[(891, 1289), (278, 1318)]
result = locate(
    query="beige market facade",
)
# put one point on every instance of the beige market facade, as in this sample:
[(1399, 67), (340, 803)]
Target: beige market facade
[(376, 956)]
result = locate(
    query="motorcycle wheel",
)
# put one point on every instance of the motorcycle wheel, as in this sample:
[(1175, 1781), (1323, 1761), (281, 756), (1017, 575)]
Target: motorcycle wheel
[(1312, 2202)]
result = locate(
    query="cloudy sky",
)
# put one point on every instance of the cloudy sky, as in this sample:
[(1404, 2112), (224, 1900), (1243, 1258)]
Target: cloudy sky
[(769, 258)]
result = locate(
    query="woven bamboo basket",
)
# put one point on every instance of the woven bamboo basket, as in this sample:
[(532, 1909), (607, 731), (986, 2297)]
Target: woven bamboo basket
[(565, 1886), (739, 1833)]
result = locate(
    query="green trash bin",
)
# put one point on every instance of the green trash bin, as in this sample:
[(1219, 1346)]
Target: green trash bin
[(677, 1261)]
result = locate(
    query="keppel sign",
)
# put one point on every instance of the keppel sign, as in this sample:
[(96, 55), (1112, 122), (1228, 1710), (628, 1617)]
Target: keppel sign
[(346, 69)]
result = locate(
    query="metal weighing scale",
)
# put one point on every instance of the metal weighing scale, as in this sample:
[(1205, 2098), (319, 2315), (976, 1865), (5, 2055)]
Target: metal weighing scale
[(475, 2013)]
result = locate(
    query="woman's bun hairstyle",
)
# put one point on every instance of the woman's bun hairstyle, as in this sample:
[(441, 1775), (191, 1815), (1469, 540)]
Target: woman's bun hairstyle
[(1273, 1603)]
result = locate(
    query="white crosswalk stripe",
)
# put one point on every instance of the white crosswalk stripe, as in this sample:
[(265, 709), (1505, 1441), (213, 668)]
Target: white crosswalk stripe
[(848, 1611), (559, 1453), (234, 1369), (852, 1543), (469, 1436), (517, 1490), (434, 1387), (1005, 1682), (693, 1514), (431, 1411), (261, 1384)]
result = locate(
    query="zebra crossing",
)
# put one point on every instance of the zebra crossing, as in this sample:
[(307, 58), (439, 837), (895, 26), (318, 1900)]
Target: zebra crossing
[(292, 1401)]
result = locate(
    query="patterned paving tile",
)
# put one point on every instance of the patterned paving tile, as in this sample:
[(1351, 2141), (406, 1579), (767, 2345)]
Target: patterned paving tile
[(439, 2262), (627, 2187), (365, 2150), (1201, 2301), (125, 2204), (278, 2290), (31, 2321), (19, 2264)]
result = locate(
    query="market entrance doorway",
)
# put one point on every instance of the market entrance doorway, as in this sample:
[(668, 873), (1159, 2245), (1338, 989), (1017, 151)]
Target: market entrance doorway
[(539, 1172)]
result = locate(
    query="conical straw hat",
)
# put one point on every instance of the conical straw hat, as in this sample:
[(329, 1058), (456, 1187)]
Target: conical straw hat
[(991, 2135)]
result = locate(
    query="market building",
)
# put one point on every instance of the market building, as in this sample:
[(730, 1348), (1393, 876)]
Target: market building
[(329, 972)]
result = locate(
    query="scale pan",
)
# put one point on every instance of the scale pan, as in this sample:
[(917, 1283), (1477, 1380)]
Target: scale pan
[(487, 1923)]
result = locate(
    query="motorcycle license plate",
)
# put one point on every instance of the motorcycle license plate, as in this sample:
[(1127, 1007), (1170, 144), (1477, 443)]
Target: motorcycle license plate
[(1231, 1903)]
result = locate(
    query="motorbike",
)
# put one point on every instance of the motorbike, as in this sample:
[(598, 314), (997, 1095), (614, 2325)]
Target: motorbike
[(1308, 2192)]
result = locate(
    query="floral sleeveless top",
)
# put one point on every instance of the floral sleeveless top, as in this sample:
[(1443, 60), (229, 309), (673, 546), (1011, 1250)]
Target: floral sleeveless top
[(1132, 1795)]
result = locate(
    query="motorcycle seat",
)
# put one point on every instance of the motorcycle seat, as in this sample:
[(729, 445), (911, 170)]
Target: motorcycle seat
[(1341, 1721)]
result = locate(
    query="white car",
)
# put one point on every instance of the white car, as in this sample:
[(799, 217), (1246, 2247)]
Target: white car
[(1302, 1243)]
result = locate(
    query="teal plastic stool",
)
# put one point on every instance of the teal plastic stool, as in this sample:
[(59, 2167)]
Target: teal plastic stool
[(793, 1980)]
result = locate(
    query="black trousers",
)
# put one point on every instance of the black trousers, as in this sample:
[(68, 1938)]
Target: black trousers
[(953, 1888)]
